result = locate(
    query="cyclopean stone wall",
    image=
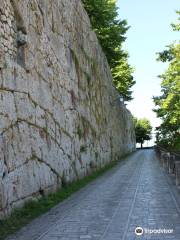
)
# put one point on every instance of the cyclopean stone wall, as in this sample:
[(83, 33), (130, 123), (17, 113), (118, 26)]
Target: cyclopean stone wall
[(59, 114)]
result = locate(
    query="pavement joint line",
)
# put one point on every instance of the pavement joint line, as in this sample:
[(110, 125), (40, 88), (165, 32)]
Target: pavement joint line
[(133, 202), (117, 209), (52, 225), (57, 222)]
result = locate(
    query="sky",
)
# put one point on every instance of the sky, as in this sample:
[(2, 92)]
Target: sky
[(150, 32)]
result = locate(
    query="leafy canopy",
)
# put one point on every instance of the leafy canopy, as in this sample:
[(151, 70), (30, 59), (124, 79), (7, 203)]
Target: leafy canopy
[(143, 130), (111, 35), (168, 104), (122, 78)]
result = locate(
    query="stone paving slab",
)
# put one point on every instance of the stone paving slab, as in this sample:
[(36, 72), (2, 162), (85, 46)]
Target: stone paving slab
[(136, 193)]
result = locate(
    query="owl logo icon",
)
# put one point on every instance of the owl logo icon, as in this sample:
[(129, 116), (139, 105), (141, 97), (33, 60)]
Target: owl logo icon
[(139, 231)]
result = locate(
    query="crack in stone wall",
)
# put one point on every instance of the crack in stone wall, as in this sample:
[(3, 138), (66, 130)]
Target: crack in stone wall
[(58, 118)]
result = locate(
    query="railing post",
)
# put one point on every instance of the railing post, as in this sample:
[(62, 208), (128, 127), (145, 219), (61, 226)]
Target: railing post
[(177, 172), (172, 164), (165, 159)]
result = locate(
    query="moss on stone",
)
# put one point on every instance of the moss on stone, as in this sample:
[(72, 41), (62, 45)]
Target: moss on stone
[(83, 148), (79, 132)]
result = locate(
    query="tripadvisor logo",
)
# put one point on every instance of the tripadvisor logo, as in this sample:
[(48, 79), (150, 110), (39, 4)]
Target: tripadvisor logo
[(139, 231)]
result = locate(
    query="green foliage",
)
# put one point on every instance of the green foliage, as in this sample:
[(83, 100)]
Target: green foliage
[(110, 31), (176, 26), (168, 104), (111, 35), (88, 77), (79, 132), (122, 78), (143, 130), (83, 148), (166, 55)]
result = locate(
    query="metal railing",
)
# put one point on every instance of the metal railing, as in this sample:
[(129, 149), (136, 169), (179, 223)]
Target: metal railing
[(170, 161), (160, 150)]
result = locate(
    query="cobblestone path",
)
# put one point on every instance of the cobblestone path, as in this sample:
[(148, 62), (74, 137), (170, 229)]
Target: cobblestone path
[(136, 193)]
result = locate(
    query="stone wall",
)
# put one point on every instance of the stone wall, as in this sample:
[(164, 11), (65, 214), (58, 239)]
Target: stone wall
[(59, 114)]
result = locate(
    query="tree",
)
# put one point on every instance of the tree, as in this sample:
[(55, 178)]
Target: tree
[(143, 130), (168, 104), (122, 78), (111, 32)]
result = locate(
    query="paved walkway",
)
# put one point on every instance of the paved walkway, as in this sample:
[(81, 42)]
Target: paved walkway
[(135, 193)]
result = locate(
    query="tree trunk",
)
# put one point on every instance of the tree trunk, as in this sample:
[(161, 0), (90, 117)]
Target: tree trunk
[(141, 145)]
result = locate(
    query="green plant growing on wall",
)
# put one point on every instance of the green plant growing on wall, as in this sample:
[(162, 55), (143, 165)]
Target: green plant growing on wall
[(85, 54), (45, 129), (75, 59), (33, 157), (88, 77), (83, 148), (79, 132)]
